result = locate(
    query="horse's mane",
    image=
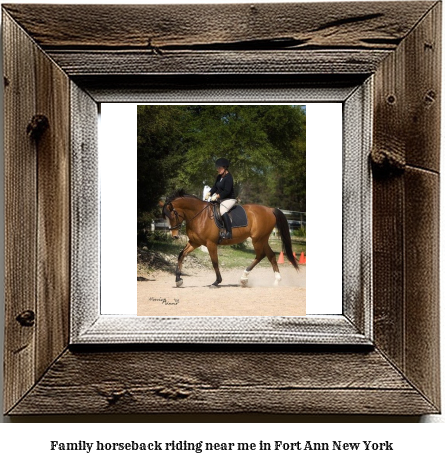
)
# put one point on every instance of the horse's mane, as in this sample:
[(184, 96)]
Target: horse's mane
[(179, 193)]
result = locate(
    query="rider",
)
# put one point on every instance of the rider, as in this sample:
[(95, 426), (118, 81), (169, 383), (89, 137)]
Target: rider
[(223, 191)]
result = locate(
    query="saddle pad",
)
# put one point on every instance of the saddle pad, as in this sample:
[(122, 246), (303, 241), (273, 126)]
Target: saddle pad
[(238, 217)]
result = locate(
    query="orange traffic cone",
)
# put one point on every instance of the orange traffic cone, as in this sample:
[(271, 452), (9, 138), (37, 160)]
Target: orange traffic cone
[(281, 258), (302, 260)]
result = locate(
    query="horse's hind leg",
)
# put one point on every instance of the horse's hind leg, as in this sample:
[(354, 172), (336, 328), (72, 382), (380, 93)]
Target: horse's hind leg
[(273, 260), (184, 252), (260, 254)]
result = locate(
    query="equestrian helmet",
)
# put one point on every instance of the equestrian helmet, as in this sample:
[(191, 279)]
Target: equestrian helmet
[(222, 162)]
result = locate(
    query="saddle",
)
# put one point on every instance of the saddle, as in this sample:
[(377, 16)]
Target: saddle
[(237, 215)]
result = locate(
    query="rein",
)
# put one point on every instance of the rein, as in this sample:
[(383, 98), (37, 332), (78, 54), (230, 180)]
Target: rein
[(177, 215)]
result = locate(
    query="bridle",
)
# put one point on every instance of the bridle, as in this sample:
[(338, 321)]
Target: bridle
[(178, 215)]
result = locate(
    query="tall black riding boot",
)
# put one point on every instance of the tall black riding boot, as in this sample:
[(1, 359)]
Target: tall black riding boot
[(228, 225)]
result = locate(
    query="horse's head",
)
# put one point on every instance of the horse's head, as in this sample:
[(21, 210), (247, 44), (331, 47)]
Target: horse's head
[(174, 218), (177, 206)]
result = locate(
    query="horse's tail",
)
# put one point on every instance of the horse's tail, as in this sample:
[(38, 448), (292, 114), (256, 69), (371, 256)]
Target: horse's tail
[(283, 228)]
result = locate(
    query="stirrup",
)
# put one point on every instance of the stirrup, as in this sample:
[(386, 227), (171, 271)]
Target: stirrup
[(223, 236)]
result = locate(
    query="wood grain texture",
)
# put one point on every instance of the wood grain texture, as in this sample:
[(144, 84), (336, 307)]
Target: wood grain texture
[(423, 91), (357, 209), (407, 118), (229, 39), (422, 325), (160, 27), (388, 268), (389, 144), (37, 220), (107, 329), (79, 63), (85, 211), (421, 210), (218, 87), (20, 213), (406, 208), (223, 382), (53, 226)]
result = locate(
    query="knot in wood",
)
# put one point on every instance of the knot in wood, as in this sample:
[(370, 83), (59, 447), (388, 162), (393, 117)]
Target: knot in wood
[(430, 97), (26, 318), (173, 393), (112, 394), (114, 397), (37, 126), (387, 163)]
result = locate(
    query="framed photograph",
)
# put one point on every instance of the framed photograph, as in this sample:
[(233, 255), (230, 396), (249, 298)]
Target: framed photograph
[(68, 351), (232, 162)]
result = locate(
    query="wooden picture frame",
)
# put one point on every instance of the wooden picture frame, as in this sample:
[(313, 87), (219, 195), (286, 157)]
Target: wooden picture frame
[(57, 70)]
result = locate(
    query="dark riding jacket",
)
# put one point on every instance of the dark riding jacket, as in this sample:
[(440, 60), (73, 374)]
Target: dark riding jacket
[(224, 187)]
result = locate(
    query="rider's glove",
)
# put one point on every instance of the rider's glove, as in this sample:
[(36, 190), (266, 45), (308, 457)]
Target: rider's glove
[(207, 196), (214, 198)]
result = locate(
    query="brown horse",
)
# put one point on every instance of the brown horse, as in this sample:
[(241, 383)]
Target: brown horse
[(202, 230)]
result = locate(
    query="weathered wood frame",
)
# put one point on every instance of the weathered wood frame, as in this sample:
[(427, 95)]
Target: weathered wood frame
[(77, 56)]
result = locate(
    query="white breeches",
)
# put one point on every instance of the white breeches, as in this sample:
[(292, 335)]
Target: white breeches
[(226, 205)]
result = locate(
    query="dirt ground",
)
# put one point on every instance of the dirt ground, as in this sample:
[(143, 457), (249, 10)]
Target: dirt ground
[(159, 296)]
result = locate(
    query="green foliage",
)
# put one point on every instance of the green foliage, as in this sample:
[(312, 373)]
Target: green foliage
[(300, 232), (178, 146), (161, 151)]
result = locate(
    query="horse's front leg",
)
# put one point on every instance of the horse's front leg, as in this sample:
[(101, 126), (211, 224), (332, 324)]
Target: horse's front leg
[(213, 252), (184, 252)]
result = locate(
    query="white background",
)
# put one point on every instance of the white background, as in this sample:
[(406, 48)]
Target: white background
[(28, 442), (118, 166)]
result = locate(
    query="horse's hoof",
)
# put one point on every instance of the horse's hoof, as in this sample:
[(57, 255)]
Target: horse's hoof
[(215, 285), (277, 278), (244, 278), (179, 283)]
